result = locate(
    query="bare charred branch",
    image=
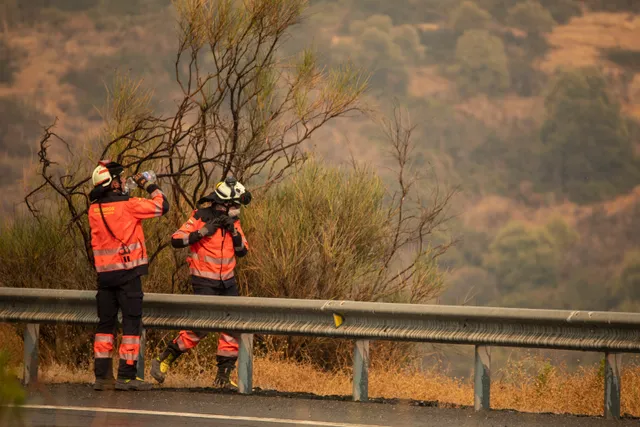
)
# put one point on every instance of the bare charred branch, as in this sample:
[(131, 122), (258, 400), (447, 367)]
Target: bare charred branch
[(237, 113)]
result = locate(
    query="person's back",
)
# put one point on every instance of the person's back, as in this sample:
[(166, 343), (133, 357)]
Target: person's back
[(117, 238), (120, 259)]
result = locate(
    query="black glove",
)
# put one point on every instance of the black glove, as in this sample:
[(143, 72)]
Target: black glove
[(211, 226), (228, 223), (141, 181)]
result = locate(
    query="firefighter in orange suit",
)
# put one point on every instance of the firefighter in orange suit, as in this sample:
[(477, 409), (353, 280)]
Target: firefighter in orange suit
[(215, 238), (120, 259)]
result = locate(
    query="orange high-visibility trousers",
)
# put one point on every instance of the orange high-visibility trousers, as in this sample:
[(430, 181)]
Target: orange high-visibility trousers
[(227, 343)]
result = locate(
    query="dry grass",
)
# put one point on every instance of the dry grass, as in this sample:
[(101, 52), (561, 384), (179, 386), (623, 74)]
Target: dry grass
[(426, 81), (530, 385), (495, 112), (11, 342), (579, 42), (491, 212)]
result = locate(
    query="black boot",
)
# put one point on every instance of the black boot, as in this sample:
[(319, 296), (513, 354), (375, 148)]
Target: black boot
[(103, 368), (102, 384), (135, 384), (161, 364), (226, 365)]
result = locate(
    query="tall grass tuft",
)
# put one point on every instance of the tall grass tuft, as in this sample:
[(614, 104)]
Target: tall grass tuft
[(319, 235), (41, 253)]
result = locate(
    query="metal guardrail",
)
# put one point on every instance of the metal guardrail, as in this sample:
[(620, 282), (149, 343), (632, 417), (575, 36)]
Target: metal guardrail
[(608, 332)]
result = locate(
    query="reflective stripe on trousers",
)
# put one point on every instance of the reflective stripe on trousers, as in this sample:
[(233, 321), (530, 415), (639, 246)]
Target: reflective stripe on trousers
[(186, 340), (130, 348), (227, 346), (103, 346)]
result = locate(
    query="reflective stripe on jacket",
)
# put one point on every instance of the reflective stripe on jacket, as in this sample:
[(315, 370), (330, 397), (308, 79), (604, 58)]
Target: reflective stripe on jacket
[(212, 257)]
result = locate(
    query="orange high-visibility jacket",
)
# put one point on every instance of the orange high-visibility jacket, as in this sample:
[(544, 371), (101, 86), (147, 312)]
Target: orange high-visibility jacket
[(212, 257), (123, 255)]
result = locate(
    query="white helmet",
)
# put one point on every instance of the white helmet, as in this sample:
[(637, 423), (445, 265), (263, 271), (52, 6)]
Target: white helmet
[(105, 172), (229, 190)]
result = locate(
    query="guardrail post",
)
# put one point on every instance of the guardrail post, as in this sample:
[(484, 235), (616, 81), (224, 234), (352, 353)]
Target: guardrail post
[(361, 371), (143, 344), (31, 336), (245, 364), (482, 378), (612, 362)]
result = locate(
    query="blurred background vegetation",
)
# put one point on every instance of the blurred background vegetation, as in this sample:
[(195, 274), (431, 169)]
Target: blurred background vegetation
[(530, 108)]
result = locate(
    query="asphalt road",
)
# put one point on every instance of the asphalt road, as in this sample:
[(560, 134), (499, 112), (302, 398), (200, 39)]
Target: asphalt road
[(79, 405)]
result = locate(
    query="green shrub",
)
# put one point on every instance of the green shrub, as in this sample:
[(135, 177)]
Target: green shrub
[(382, 48), (20, 123), (522, 258), (468, 16), (31, 12), (317, 236), (40, 253), (526, 79), (482, 64), (626, 58), (562, 10), (497, 8), (400, 11), (530, 17), (441, 45), (613, 5), (628, 281), (587, 152)]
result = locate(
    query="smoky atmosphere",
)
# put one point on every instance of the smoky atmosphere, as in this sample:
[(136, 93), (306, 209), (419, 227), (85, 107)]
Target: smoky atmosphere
[(319, 212)]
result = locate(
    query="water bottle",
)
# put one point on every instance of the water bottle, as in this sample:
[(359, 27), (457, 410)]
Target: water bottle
[(150, 176)]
